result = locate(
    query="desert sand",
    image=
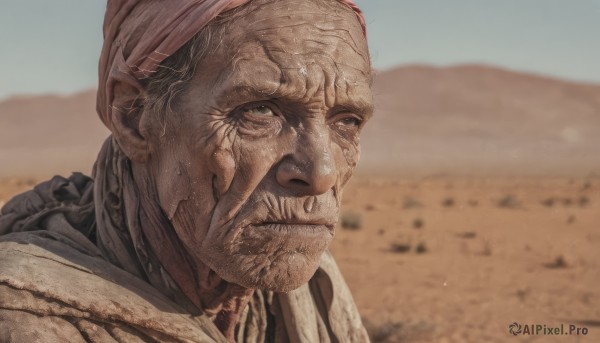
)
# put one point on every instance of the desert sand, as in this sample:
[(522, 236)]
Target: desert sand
[(449, 259)]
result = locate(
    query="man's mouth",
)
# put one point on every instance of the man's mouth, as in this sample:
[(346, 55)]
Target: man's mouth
[(295, 228)]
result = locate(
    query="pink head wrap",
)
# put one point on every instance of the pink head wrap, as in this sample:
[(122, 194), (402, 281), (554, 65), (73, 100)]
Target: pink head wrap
[(141, 34)]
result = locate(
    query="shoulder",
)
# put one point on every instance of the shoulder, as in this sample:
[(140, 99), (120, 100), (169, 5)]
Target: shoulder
[(52, 283), (20, 326), (72, 197)]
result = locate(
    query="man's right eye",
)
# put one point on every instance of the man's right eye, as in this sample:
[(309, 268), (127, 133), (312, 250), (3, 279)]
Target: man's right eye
[(259, 111), (258, 119)]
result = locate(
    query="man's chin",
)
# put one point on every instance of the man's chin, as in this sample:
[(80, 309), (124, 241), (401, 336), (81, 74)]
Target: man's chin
[(283, 272), (282, 277), (275, 257)]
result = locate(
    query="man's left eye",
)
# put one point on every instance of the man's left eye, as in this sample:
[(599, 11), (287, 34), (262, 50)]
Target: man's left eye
[(349, 122), (260, 111)]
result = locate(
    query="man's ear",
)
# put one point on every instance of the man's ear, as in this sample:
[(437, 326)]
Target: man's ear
[(127, 111)]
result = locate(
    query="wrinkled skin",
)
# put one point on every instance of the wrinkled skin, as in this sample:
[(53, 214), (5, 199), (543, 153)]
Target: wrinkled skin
[(250, 167)]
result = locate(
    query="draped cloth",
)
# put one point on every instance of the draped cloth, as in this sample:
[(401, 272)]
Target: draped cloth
[(74, 267), (141, 34)]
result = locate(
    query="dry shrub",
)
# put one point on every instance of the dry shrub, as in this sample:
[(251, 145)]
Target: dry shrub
[(400, 248), (418, 223), (22, 182), (448, 202), (421, 248), (558, 263), (382, 333), (467, 234), (509, 201), (473, 203), (370, 207), (586, 299), (410, 202), (587, 185), (583, 201), (351, 221), (548, 202), (522, 294), (487, 248), (391, 332)]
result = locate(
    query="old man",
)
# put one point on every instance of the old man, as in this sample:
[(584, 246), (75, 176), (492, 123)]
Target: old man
[(235, 126)]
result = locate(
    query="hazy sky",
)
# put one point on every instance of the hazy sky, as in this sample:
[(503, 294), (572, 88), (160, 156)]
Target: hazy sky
[(53, 46)]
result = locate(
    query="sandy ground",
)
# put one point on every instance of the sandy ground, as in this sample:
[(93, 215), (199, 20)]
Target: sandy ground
[(459, 260), (450, 259)]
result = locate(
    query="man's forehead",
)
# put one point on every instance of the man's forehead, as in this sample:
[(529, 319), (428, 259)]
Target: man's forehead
[(284, 31), (317, 71), (289, 53)]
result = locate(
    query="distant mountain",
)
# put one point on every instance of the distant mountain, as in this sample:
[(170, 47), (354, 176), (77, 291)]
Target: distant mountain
[(48, 134), (481, 119), (463, 119)]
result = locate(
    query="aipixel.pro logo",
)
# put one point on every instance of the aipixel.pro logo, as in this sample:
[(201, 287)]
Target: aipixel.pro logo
[(547, 330)]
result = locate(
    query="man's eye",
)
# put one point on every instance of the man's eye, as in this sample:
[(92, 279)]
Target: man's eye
[(260, 111), (349, 122)]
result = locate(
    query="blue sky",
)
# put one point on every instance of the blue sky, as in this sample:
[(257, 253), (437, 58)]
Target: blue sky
[(53, 46)]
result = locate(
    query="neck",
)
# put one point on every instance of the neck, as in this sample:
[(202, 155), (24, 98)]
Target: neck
[(214, 296)]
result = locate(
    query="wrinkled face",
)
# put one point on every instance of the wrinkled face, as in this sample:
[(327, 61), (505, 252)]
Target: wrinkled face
[(250, 169)]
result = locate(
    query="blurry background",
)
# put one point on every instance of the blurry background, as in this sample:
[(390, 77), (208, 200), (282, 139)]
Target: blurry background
[(477, 199)]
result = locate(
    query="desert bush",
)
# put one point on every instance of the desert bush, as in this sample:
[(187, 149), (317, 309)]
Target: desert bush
[(22, 182), (370, 207), (487, 248), (418, 223), (548, 202), (351, 221), (522, 293), (473, 203), (559, 262), (509, 201), (410, 202), (389, 332), (421, 248), (448, 202), (400, 248), (467, 234), (382, 333), (583, 201)]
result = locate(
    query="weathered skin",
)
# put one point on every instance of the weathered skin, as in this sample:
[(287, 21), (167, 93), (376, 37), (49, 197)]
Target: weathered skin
[(251, 165)]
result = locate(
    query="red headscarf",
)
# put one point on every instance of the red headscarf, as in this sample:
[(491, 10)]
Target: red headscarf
[(141, 34)]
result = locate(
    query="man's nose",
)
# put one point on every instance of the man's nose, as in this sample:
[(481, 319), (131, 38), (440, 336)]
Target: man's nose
[(310, 169)]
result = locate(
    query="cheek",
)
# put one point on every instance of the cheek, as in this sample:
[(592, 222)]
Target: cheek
[(185, 174), (250, 161), (256, 159), (347, 155), (172, 180)]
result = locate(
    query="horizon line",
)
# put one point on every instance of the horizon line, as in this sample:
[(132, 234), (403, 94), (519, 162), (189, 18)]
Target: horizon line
[(531, 73)]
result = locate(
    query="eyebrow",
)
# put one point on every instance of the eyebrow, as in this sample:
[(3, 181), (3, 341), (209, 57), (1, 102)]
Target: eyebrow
[(250, 93)]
